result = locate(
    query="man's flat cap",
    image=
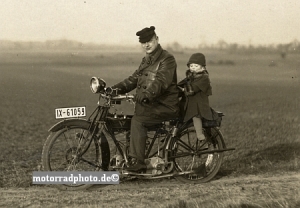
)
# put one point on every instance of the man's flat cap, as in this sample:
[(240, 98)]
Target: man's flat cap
[(146, 34)]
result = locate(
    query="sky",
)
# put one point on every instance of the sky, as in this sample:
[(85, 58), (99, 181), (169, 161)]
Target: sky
[(188, 22)]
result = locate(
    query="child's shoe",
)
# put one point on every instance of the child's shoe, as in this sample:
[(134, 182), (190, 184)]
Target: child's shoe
[(201, 137)]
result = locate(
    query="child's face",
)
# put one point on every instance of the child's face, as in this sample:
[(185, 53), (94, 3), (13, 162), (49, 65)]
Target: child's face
[(196, 68)]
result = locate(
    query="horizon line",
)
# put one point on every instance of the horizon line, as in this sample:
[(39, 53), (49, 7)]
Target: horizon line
[(221, 41)]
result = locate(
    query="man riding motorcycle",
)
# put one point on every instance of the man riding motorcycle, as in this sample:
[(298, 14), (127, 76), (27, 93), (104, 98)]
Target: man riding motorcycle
[(155, 82)]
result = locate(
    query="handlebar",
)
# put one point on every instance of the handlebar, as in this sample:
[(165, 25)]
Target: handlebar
[(123, 97), (117, 97)]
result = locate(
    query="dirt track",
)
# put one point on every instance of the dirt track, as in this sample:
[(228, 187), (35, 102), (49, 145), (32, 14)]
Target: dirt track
[(276, 190)]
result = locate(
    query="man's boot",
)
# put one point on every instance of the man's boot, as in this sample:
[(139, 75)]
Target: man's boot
[(136, 166)]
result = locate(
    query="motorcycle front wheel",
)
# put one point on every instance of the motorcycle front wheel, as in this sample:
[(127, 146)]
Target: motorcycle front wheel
[(190, 157), (75, 148)]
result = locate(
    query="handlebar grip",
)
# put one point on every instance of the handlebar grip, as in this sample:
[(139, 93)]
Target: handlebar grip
[(130, 96)]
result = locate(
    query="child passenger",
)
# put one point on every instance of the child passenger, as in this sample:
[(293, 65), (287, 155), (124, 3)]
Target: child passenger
[(197, 88)]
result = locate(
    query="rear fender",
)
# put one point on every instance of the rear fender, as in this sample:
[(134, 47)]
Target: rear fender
[(69, 122)]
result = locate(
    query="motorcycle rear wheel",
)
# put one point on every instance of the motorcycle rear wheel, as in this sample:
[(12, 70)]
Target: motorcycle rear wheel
[(62, 152), (203, 166)]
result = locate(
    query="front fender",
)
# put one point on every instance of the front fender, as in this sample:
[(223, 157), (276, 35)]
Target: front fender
[(69, 122)]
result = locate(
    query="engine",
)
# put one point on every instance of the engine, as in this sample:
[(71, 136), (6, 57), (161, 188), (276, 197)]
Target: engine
[(155, 165)]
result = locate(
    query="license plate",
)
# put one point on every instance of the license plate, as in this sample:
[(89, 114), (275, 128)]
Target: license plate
[(70, 112)]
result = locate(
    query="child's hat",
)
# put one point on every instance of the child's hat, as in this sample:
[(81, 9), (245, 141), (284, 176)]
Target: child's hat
[(197, 58)]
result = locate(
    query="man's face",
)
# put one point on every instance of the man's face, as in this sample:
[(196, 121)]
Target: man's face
[(151, 45)]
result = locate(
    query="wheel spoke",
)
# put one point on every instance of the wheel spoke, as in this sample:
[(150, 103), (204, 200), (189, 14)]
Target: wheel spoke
[(184, 145), (66, 139), (91, 163)]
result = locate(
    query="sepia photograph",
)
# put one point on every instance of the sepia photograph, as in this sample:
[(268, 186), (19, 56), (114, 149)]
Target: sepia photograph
[(171, 104)]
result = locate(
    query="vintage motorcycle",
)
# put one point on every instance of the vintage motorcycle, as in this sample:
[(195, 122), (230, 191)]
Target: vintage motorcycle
[(101, 143)]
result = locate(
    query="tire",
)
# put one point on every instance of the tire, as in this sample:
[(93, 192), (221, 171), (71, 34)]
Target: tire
[(61, 146), (204, 166)]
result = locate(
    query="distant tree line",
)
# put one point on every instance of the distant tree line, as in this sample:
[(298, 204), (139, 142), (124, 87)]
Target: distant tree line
[(63, 44), (292, 47)]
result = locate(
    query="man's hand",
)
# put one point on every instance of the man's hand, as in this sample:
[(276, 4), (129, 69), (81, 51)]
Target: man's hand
[(141, 98)]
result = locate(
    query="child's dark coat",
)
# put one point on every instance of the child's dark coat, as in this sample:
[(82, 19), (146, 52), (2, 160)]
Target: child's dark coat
[(197, 104)]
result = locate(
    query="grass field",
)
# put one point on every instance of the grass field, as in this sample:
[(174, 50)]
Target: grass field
[(259, 94)]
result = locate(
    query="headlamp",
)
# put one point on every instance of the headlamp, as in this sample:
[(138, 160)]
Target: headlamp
[(97, 85)]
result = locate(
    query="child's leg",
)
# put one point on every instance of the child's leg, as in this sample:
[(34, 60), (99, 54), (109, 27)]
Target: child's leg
[(198, 127)]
